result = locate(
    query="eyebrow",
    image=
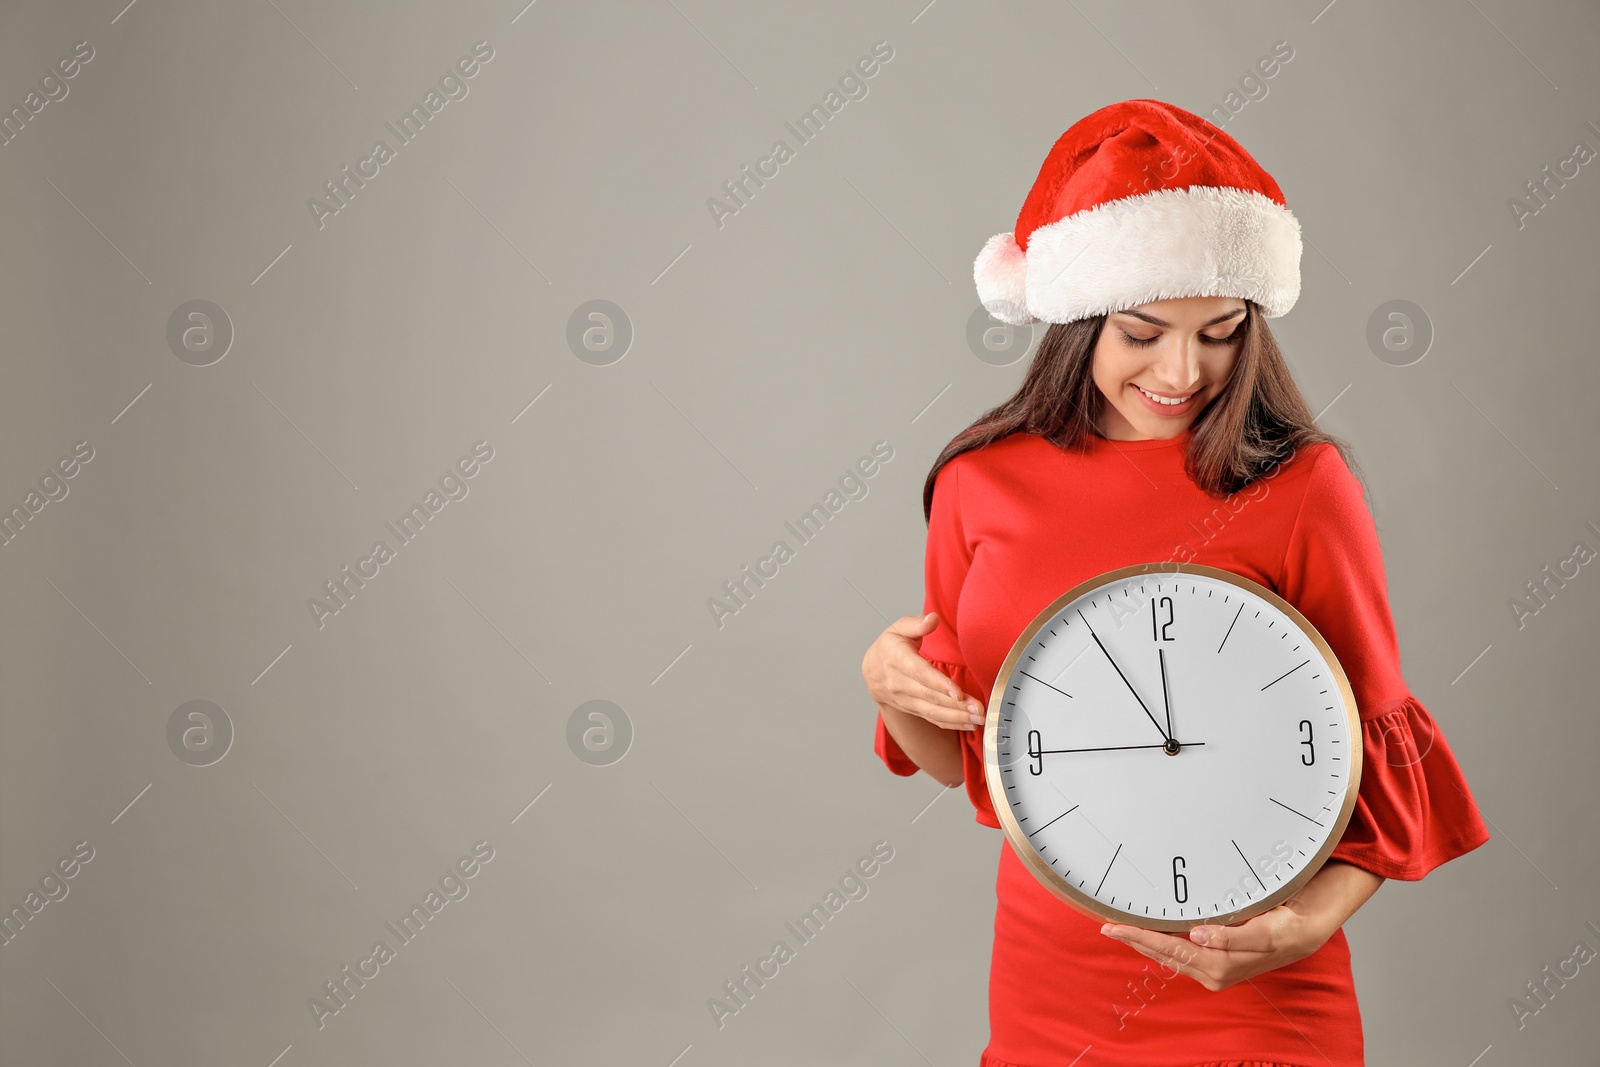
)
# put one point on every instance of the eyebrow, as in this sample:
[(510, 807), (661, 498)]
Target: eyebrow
[(1158, 322)]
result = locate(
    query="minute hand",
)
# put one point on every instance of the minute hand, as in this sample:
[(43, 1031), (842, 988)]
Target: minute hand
[(1125, 681)]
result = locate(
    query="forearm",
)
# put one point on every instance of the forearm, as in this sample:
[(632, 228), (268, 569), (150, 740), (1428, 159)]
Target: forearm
[(933, 748), (1334, 893)]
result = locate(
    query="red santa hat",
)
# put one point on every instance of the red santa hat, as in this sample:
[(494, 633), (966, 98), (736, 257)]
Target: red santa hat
[(1142, 201)]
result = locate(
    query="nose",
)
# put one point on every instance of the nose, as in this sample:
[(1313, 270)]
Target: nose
[(1178, 366)]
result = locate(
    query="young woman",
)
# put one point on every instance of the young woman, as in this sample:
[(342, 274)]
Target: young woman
[(1158, 421)]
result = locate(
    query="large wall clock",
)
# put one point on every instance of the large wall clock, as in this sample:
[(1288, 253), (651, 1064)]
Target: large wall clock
[(1172, 744)]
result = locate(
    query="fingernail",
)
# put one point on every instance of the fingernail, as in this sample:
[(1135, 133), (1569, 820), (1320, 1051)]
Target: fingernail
[(976, 718), (975, 708), (1200, 936)]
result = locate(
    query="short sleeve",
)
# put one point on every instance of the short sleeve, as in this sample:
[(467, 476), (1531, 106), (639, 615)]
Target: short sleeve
[(889, 750), (945, 565), (1414, 810)]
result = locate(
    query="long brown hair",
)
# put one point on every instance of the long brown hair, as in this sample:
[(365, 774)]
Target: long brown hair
[(1260, 419)]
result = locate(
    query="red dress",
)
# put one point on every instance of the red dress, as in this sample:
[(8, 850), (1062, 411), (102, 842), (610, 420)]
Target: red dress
[(1018, 522)]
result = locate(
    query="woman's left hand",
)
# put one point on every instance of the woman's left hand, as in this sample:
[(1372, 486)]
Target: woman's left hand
[(1220, 956)]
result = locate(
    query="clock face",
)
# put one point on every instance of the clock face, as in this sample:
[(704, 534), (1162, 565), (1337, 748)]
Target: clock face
[(1173, 744)]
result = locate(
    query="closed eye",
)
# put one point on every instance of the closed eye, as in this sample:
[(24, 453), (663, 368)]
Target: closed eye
[(1141, 342)]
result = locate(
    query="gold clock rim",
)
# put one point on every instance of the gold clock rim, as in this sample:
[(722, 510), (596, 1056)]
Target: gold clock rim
[(1047, 875)]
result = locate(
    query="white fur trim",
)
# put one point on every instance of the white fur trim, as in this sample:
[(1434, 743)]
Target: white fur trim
[(1001, 275), (1199, 241)]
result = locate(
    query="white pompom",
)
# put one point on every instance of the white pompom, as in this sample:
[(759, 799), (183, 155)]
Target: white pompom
[(1001, 274)]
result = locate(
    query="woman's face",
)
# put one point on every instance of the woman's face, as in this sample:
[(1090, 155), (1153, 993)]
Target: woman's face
[(1178, 349)]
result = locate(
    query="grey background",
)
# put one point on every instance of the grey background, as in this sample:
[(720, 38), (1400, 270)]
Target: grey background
[(769, 354)]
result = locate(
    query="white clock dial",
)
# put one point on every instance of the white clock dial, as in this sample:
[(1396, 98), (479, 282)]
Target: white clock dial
[(1172, 744)]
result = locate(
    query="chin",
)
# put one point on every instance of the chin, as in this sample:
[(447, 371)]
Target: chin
[(1158, 427)]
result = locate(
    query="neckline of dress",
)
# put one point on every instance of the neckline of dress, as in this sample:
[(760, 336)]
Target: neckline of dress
[(1183, 438)]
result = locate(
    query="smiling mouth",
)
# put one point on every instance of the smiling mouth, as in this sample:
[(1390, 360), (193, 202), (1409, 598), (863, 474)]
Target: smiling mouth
[(1165, 401)]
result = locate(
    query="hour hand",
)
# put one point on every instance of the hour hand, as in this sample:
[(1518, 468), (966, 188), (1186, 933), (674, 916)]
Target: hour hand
[(1166, 694)]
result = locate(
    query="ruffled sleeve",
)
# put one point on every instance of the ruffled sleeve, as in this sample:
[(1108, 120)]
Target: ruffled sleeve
[(889, 750), (1413, 811), (945, 568), (972, 772)]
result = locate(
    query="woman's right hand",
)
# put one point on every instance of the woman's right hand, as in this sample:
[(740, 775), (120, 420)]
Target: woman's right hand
[(898, 677)]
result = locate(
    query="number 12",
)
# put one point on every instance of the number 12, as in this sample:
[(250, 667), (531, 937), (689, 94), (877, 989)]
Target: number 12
[(1161, 635)]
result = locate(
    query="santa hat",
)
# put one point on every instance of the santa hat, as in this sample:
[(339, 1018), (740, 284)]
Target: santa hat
[(1142, 201)]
